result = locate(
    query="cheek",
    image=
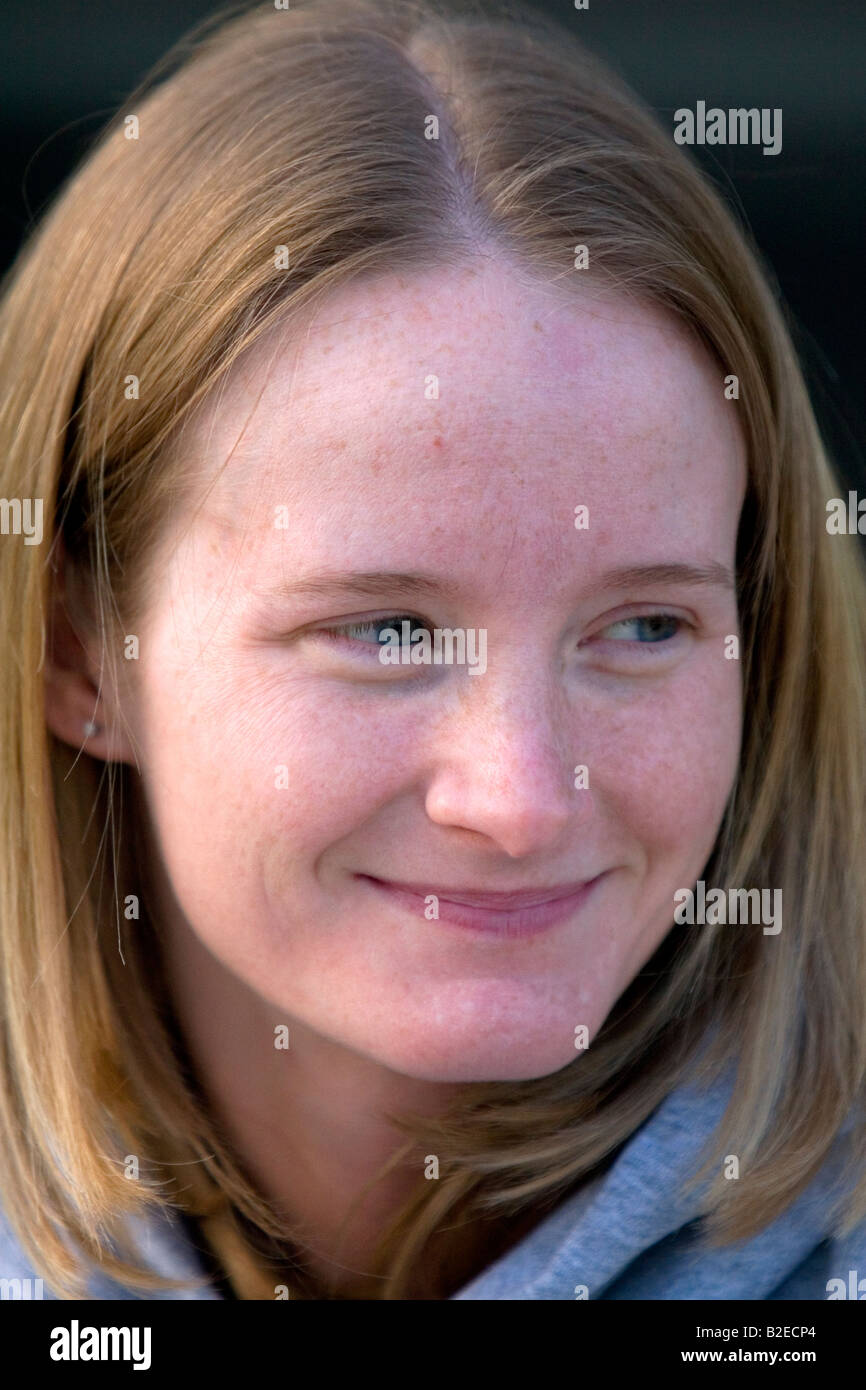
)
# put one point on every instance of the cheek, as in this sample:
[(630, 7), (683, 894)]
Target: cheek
[(243, 762), (666, 764)]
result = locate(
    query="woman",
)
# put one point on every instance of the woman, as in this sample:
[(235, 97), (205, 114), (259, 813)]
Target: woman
[(338, 961)]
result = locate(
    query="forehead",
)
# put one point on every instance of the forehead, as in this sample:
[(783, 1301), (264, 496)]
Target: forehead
[(479, 384)]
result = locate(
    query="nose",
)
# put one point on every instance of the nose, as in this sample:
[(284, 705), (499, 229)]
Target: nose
[(505, 765)]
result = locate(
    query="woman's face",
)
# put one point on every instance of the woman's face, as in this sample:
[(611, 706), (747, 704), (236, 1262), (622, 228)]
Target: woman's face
[(446, 425)]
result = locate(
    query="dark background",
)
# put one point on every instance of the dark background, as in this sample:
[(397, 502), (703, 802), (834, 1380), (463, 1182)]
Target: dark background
[(68, 65)]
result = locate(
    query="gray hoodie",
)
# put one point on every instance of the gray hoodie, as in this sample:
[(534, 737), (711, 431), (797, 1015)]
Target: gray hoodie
[(630, 1234)]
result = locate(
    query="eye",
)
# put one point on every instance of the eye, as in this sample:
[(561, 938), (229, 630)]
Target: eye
[(367, 633), (656, 627), (640, 643)]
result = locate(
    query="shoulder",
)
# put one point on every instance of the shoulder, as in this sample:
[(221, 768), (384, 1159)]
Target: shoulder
[(834, 1269), (18, 1279), (164, 1247)]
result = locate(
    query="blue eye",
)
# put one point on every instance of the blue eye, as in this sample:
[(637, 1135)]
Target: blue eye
[(657, 627), (361, 632)]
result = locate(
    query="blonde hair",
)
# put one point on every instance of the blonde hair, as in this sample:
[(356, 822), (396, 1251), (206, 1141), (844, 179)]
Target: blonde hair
[(305, 128)]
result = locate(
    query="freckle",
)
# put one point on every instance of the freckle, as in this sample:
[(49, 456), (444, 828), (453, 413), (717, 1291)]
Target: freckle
[(437, 442), (537, 326)]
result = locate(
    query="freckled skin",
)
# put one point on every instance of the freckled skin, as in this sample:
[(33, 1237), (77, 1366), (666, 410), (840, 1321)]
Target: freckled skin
[(546, 401)]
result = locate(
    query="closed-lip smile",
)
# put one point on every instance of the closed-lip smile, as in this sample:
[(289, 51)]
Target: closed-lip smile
[(504, 901), (503, 913)]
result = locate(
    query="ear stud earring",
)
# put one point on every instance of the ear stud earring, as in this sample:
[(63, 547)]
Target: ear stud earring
[(90, 728)]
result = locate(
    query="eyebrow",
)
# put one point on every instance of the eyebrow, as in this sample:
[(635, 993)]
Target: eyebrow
[(381, 583)]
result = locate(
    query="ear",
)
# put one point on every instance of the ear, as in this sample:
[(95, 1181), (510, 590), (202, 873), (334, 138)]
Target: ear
[(80, 706)]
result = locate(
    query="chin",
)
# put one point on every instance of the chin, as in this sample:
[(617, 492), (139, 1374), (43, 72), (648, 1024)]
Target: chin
[(461, 1057), (490, 1030)]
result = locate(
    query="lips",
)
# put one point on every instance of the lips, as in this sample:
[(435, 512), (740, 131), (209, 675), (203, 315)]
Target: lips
[(504, 902), (496, 914)]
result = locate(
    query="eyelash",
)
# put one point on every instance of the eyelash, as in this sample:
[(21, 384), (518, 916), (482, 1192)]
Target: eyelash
[(339, 633)]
